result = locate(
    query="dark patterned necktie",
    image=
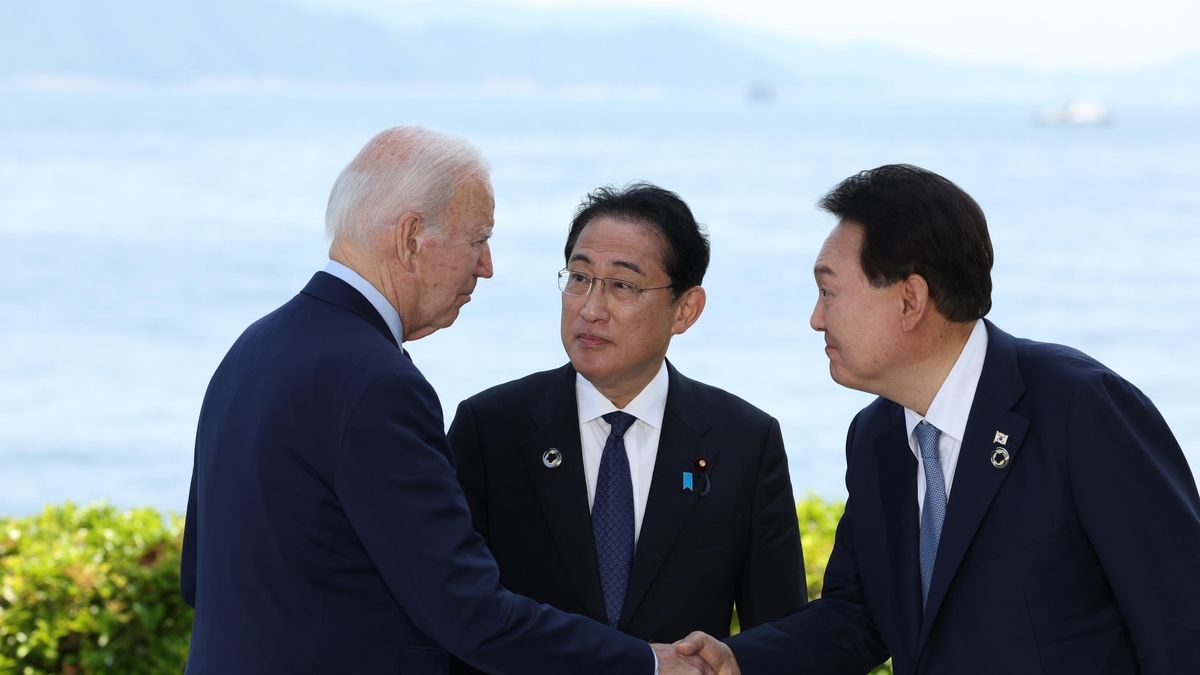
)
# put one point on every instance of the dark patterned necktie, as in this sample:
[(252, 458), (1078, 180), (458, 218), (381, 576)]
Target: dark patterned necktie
[(612, 516)]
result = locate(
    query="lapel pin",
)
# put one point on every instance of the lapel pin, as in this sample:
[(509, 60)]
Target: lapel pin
[(1000, 438), (687, 481), (702, 466), (999, 457), (552, 458)]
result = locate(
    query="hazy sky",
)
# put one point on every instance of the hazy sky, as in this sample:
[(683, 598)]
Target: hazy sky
[(1047, 35)]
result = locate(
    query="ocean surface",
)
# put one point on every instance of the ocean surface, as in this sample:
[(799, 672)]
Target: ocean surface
[(142, 230)]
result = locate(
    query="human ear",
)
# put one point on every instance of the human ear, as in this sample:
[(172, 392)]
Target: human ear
[(688, 308), (406, 235), (914, 301)]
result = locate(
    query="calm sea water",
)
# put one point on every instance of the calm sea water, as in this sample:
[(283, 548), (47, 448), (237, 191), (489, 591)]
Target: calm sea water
[(140, 232)]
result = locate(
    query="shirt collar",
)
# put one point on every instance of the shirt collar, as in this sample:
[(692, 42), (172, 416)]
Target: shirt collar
[(952, 405), (390, 316), (649, 405)]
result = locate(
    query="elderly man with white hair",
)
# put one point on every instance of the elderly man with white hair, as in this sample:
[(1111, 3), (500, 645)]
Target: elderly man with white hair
[(326, 532)]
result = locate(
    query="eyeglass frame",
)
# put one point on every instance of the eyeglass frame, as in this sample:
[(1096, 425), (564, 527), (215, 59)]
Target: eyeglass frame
[(592, 279)]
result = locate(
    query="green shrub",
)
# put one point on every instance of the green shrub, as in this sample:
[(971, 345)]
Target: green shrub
[(92, 589), (818, 522), (95, 590)]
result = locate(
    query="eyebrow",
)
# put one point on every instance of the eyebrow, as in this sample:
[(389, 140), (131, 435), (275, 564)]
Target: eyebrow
[(824, 269), (633, 267)]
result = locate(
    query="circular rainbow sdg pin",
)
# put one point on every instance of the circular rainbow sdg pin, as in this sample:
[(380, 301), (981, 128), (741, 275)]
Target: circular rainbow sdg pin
[(1000, 458)]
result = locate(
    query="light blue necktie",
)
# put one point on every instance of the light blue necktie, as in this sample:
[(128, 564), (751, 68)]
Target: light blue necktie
[(933, 511), (612, 516)]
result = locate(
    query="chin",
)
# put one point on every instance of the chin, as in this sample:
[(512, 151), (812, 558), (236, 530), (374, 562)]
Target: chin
[(585, 367)]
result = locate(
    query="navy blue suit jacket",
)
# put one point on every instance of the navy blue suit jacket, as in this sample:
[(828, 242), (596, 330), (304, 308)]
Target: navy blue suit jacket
[(696, 555), (1080, 557), (326, 531)]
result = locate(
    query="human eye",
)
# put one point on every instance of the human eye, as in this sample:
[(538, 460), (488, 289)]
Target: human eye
[(577, 277), (623, 289)]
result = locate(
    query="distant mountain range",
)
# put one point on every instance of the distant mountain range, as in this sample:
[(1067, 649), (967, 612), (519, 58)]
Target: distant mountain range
[(183, 41)]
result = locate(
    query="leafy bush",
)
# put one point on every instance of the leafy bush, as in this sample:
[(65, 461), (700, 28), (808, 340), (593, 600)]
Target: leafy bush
[(818, 522), (92, 589), (95, 590)]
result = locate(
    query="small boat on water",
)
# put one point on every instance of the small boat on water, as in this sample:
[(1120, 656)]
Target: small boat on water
[(1080, 112)]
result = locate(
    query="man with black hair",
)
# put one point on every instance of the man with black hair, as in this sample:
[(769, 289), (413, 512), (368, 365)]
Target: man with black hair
[(614, 486), (1014, 506)]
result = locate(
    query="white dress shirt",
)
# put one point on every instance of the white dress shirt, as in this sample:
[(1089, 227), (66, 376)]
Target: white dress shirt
[(641, 441), (390, 316), (950, 410)]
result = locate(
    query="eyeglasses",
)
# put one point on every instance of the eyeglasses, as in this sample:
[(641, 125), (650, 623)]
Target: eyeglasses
[(620, 291)]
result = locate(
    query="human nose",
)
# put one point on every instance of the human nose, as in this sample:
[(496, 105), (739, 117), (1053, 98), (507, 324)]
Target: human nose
[(817, 319), (484, 267), (595, 304)]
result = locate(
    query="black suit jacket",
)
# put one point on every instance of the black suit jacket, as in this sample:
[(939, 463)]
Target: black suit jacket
[(1081, 556), (696, 555), (326, 532)]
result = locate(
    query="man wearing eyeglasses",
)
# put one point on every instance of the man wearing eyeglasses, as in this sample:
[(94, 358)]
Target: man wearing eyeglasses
[(614, 486)]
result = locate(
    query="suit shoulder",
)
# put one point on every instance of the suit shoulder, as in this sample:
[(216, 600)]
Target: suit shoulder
[(731, 405), (1063, 375), (308, 337), (520, 392), (1049, 364)]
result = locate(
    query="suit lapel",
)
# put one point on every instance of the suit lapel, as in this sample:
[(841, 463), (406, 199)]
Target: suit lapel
[(563, 490), (668, 505), (898, 491), (976, 480)]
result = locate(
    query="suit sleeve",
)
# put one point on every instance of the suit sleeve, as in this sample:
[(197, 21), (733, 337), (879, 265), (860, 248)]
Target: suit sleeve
[(772, 583), (397, 485), (1137, 500), (468, 457), (187, 562), (468, 462), (832, 634)]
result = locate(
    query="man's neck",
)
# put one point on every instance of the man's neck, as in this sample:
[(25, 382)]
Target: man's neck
[(933, 358)]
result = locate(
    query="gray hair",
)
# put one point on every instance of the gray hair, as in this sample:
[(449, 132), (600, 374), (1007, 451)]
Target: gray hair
[(401, 169)]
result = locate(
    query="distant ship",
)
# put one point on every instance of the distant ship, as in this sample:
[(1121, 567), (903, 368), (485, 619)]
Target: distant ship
[(760, 92), (1080, 112)]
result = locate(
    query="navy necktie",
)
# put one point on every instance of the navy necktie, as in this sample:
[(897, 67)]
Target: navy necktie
[(933, 510), (612, 516)]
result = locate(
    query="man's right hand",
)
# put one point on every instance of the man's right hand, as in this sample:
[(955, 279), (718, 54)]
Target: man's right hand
[(673, 662), (715, 653)]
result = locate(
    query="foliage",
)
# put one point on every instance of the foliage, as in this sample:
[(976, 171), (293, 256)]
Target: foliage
[(92, 589), (818, 522)]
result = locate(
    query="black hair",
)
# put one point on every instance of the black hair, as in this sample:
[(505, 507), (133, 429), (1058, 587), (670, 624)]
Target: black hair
[(685, 243), (917, 222)]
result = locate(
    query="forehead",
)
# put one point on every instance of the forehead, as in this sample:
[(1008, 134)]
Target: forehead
[(614, 241), (473, 204), (840, 253)]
